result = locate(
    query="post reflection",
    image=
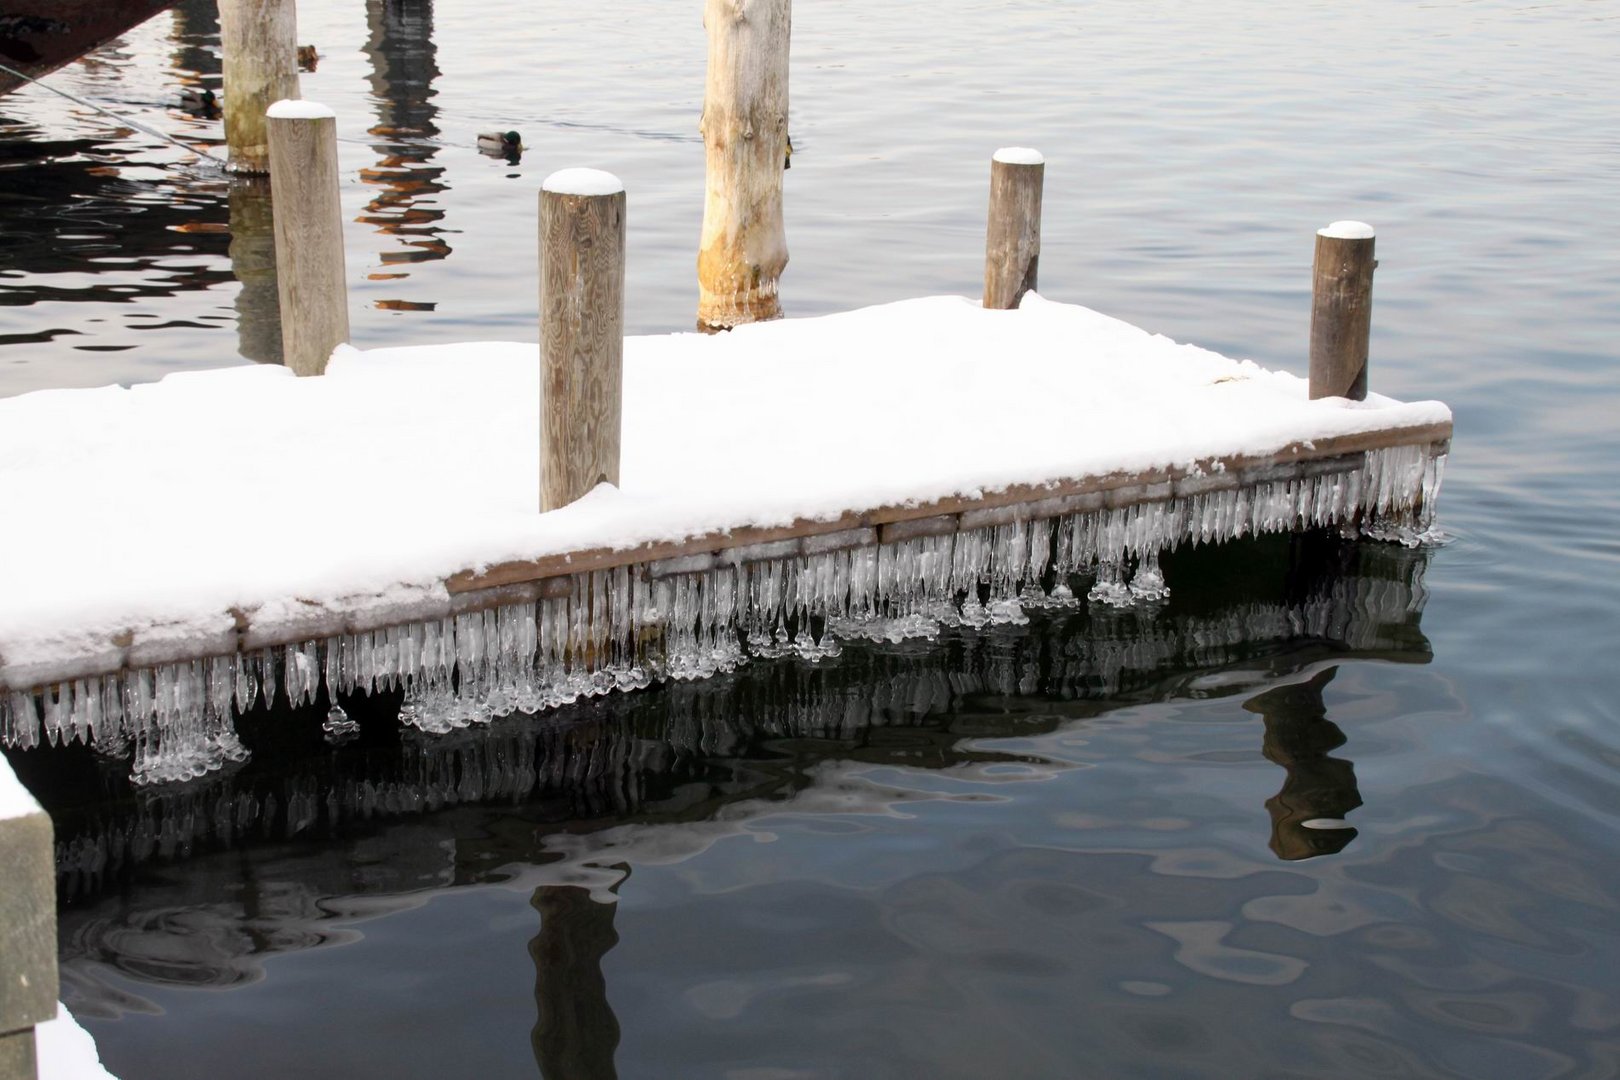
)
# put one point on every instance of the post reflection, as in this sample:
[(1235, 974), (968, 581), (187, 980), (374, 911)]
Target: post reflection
[(1307, 815), (403, 66), (253, 261), (575, 1032)]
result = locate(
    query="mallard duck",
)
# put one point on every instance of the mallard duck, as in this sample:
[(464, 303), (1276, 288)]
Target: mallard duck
[(787, 162), (307, 58), (195, 100), (503, 143)]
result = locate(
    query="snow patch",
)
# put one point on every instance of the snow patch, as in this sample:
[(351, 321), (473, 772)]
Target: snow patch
[(294, 109), (1347, 230), (15, 801), (66, 1051), (1019, 155), (582, 182)]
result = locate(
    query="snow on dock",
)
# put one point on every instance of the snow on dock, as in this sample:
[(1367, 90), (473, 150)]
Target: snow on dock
[(176, 548)]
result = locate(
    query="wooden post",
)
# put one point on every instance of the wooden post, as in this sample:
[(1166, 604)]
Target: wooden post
[(581, 332), (309, 234), (1341, 310), (259, 40), (28, 979), (1012, 239), (743, 250)]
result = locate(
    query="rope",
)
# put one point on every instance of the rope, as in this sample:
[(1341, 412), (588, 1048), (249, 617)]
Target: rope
[(187, 147)]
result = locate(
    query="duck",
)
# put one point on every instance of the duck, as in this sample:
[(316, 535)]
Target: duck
[(787, 161), (195, 100), (307, 58), (500, 142)]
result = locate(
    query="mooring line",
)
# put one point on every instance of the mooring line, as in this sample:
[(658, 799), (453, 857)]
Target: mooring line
[(137, 125)]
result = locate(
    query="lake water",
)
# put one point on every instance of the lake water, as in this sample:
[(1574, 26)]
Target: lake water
[(1076, 849)]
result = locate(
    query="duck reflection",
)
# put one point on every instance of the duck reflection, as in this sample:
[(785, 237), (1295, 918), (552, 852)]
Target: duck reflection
[(576, 1031), (1307, 815), (403, 67)]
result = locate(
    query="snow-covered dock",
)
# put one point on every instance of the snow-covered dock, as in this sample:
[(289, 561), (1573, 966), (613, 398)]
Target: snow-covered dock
[(177, 548)]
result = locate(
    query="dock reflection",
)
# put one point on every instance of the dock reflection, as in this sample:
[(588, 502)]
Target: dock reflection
[(564, 804), (575, 1032)]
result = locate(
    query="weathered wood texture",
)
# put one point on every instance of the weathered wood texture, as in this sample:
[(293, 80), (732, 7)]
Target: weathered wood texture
[(581, 343), (259, 40), (1012, 242), (311, 279), (1341, 316), (743, 250), (28, 978)]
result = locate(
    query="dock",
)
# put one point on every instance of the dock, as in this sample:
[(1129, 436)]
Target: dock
[(246, 534)]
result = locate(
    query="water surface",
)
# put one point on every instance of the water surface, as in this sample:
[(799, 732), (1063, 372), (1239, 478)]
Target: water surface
[(1074, 850)]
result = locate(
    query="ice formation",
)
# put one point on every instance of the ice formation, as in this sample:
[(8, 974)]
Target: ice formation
[(624, 628)]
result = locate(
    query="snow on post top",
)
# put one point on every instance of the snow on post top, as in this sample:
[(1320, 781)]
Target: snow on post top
[(15, 801), (582, 182), (1018, 155), (294, 109), (1347, 230)]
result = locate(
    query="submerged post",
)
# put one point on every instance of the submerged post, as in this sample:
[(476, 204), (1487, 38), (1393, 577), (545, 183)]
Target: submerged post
[(259, 40), (28, 980), (745, 137), (581, 332), (308, 221), (1341, 310), (1012, 239)]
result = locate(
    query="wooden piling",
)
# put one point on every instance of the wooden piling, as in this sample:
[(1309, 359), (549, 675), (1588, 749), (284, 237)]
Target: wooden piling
[(309, 234), (1341, 310), (743, 250), (1012, 241), (28, 977), (581, 332), (259, 40)]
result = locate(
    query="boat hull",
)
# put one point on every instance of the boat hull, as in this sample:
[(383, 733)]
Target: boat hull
[(39, 36)]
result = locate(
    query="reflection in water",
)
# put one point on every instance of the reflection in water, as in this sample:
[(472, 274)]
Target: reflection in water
[(663, 774), (575, 1032), (253, 261), (1306, 814), (196, 60), (403, 67)]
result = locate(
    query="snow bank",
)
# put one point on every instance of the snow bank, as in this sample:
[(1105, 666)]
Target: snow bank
[(15, 801), (155, 510), (66, 1051)]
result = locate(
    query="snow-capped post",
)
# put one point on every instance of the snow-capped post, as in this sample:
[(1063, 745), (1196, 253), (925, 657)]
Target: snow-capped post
[(581, 332), (1012, 238), (28, 980), (308, 218), (1341, 310), (259, 40), (743, 250)]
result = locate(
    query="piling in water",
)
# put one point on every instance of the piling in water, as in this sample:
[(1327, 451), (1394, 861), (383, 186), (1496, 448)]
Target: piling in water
[(309, 234), (1012, 242), (1341, 310), (581, 333), (745, 136), (259, 40)]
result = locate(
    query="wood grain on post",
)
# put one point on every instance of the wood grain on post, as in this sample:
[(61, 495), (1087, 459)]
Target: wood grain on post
[(259, 40), (743, 250), (1341, 310), (1012, 240), (310, 273), (581, 333)]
